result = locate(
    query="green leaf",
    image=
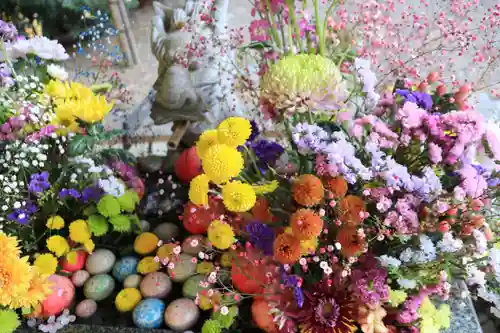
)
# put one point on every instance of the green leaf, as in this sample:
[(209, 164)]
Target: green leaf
[(95, 130), (257, 45), (121, 154), (108, 135), (79, 144)]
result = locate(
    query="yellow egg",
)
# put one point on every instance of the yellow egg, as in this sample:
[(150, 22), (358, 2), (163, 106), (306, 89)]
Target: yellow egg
[(127, 299), (146, 243)]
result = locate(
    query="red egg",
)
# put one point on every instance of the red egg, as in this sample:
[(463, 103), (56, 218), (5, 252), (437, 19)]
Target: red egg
[(188, 165), (62, 295), (75, 262), (196, 219)]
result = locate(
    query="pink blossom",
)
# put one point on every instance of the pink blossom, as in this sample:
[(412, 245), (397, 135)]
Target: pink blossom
[(435, 153), (259, 30), (493, 143), (473, 183), (411, 115)]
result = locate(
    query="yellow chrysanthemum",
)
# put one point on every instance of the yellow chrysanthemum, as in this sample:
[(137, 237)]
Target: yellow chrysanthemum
[(432, 319), (79, 231), (14, 279), (148, 265), (234, 131), (89, 245), (46, 263), (9, 245), (55, 222), (266, 188), (198, 190), (304, 80), (64, 120), (39, 288), (221, 163), (307, 246), (57, 89), (207, 139), (238, 197), (58, 245), (220, 234), (92, 109), (80, 91)]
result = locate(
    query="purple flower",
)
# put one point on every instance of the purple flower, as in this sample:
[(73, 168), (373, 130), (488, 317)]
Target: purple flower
[(92, 193), (255, 131), (267, 152), (8, 31), (64, 193), (370, 285), (39, 182), (23, 214), (410, 307), (261, 236), (292, 281), (423, 100)]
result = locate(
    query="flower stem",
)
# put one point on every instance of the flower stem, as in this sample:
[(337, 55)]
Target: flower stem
[(270, 18), (319, 30), (291, 11)]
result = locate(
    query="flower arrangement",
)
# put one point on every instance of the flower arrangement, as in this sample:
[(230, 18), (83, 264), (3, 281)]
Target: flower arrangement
[(61, 193)]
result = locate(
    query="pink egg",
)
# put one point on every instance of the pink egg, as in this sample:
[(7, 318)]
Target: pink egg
[(62, 295), (77, 263), (80, 277)]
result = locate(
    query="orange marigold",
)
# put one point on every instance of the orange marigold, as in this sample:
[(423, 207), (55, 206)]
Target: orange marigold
[(308, 190), (351, 243), (286, 249), (337, 186), (306, 224), (350, 208)]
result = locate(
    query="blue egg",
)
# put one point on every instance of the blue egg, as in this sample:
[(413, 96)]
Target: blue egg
[(149, 313), (124, 267)]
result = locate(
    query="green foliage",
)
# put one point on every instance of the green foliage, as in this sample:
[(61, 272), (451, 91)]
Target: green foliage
[(108, 206), (98, 225), (227, 320), (121, 223), (128, 201), (211, 326)]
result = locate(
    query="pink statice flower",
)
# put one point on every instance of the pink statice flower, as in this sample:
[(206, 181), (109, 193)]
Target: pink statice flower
[(473, 183), (410, 115), (435, 153), (259, 30)]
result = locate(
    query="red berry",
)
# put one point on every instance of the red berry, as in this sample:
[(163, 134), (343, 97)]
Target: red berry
[(433, 77), (465, 89), (443, 226), (441, 90)]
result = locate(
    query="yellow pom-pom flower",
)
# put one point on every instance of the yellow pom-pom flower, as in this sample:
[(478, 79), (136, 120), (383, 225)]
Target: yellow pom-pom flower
[(207, 139), (198, 190), (221, 163), (238, 197), (304, 80), (55, 223), (220, 234), (89, 245), (127, 299), (79, 231), (92, 109), (9, 245), (148, 265), (58, 245), (146, 243), (234, 131), (57, 89), (46, 263)]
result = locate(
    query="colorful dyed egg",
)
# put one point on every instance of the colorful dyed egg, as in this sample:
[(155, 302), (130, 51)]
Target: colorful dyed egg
[(61, 297), (86, 308), (99, 287), (132, 281), (193, 245), (146, 243), (127, 299), (73, 261), (184, 267), (188, 165), (100, 262), (182, 314), (166, 232), (192, 286), (156, 285), (149, 313), (124, 267), (80, 277)]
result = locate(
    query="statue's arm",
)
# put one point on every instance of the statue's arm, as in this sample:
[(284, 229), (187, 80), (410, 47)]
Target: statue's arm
[(159, 30)]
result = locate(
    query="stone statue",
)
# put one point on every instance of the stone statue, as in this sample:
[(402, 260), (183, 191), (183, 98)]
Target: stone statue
[(188, 88)]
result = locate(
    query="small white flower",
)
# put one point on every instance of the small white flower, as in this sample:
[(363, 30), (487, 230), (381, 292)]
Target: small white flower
[(327, 270), (177, 250), (407, 284), (224, 310), (323, 264), (303, 261), (387, 261)]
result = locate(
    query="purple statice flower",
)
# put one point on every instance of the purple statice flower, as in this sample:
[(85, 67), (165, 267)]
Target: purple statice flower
[(23, 214), (65, 192), (39, 182), (409, 312), (370, 285), (8, 31), (309, 138), (423, 100), (6, 79), (473, 183), (92, 193), (255, 131), (261, 236), (292, 281), (435, 153), (267, 152)]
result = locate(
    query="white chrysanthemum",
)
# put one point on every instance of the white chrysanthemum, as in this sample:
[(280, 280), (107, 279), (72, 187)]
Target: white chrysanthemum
[(112, 186), (449, 244), (57, 72), (40, 46), (387, 261), (475, 276)]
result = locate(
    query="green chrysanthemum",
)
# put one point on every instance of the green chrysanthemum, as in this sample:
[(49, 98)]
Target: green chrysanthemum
[(128, 201), (121, 223), (9, 321), (108, 206), (211, 326), (90, 210), (304, 81), (98, 225), (227, 320)]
